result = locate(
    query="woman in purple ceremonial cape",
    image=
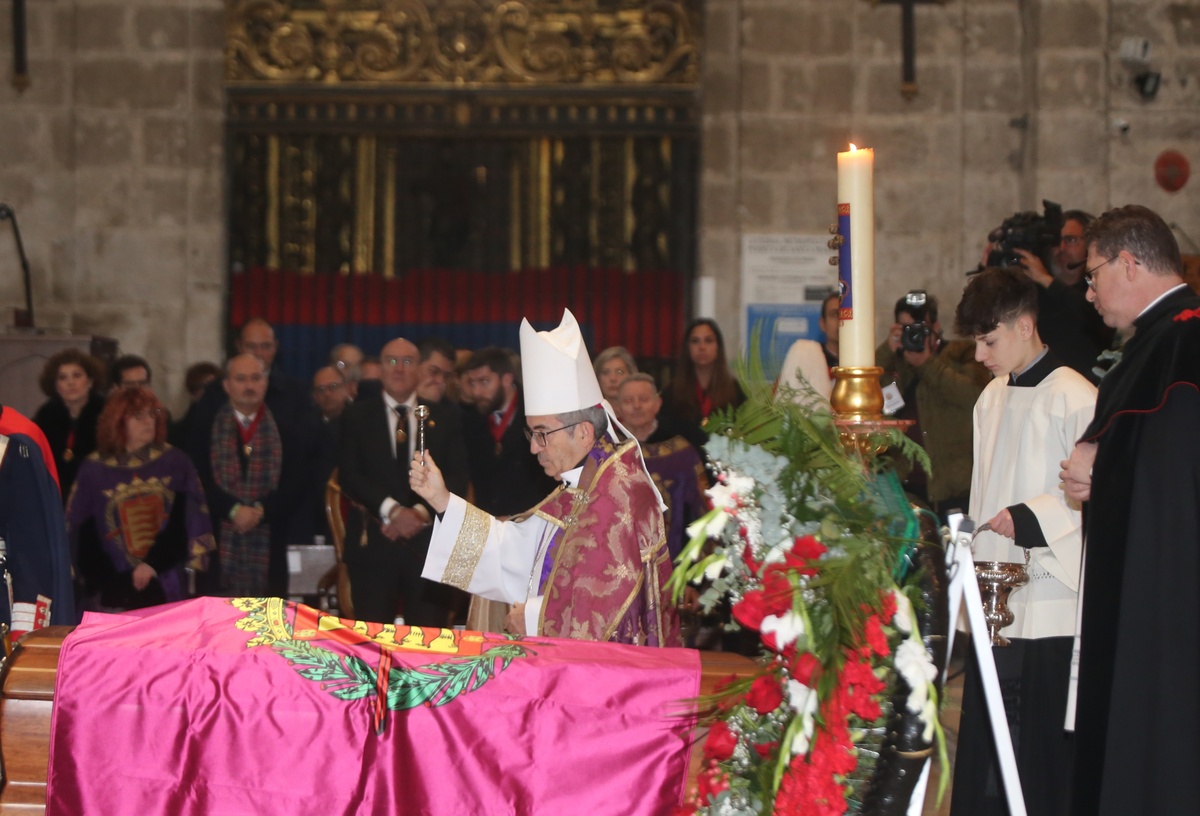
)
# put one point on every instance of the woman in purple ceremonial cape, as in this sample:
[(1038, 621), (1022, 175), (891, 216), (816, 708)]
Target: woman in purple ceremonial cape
[(137, 515)]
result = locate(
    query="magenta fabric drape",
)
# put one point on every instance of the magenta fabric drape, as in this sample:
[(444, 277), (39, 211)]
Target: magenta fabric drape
[(257, 706)]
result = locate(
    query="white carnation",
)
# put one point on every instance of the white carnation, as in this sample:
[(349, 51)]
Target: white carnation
[(787, 627), (726, 496)]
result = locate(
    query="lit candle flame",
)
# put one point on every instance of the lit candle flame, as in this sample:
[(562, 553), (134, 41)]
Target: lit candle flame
[(852, 147)]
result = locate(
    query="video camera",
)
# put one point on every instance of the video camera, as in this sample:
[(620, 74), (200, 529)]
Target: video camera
[(1038, 234), (914, 335)]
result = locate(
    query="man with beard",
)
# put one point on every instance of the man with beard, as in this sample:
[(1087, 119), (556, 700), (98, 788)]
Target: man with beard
[(506, 478)]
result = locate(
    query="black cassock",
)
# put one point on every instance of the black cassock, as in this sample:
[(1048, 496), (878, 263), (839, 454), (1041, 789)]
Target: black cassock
[(1138, 715)]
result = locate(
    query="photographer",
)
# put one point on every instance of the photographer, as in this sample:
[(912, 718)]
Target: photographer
[(938, 382), (1036, 243)]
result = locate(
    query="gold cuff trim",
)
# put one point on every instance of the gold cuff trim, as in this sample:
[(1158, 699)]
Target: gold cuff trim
[(468, 547)]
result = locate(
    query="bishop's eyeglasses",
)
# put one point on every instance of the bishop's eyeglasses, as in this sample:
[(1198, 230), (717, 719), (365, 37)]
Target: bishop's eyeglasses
[(540, 436)]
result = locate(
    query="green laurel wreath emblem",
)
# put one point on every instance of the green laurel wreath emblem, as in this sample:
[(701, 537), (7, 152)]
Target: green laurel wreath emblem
[(350, 677)]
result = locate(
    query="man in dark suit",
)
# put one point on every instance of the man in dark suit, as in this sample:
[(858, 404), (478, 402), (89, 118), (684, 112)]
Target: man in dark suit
[(387, 534), (331, 396)]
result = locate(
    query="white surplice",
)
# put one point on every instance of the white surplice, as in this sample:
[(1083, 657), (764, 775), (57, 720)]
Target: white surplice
[(1022, 434)]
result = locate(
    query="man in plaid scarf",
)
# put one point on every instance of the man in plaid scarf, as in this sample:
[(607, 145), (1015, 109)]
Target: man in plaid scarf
[(247, 460)]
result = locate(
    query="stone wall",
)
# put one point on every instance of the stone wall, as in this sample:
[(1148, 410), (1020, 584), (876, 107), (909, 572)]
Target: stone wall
[(1019, 100), (112, 159), (113, 156)]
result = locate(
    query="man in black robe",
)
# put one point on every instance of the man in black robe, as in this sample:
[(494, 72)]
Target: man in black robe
[(1139, 650)]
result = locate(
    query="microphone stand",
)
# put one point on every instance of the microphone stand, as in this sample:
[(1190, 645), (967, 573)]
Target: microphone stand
[(22, 319)]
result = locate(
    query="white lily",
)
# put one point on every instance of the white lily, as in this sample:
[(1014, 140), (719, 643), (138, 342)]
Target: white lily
[(709, 525), (804, 702), (713, 571), (918, 671), (903, 619)]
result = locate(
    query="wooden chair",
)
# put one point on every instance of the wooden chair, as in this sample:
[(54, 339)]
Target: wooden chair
[(336, 507)]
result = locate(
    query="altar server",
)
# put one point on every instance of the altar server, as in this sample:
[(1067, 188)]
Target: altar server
[(1025, 421)]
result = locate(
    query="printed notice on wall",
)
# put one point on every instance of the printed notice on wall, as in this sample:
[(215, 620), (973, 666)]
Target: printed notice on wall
[(785, 277)]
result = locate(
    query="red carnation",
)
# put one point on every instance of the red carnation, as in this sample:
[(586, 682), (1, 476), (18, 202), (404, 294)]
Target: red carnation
[(806, 668), (765, 694), (859, 673), (764, 749), (808, 548), (777, 588), (800, 558), (887, 606), (751, 609), (876, 639), (720, 743)]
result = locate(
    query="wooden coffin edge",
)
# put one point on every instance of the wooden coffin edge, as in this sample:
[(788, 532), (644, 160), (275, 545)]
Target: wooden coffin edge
[(22, 693)]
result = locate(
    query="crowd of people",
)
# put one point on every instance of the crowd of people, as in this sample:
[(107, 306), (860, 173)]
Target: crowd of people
[(157, 509), (556, 491)]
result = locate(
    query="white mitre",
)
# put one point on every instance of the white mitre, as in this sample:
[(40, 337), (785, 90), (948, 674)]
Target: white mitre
[(559, 377), (557, 369)]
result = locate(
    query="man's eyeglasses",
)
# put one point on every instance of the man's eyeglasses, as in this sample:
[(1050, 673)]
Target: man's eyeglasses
[(323, 389), (1089, 276), (540, 436), (1071, 240), (404, 362)]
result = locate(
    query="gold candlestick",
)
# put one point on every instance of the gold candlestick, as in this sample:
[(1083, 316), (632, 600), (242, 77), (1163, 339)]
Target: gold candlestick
[(857, 401)]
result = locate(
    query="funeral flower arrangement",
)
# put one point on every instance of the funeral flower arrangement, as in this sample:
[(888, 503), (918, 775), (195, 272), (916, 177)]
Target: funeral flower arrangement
[(803, 544)]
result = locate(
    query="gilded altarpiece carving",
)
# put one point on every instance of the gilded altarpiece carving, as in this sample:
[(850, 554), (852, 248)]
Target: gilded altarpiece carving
[(392, 137)]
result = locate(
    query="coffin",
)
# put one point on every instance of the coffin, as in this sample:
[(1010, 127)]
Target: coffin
[(27, 700)]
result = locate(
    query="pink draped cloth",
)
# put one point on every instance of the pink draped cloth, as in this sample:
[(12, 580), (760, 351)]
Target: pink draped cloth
[(257, 706)]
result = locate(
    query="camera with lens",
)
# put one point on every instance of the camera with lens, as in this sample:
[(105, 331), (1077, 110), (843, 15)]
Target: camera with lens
[(1038, 234), (914, 335)]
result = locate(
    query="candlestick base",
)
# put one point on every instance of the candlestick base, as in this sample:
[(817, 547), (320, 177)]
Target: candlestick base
[(857, 394), (857, 401)]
